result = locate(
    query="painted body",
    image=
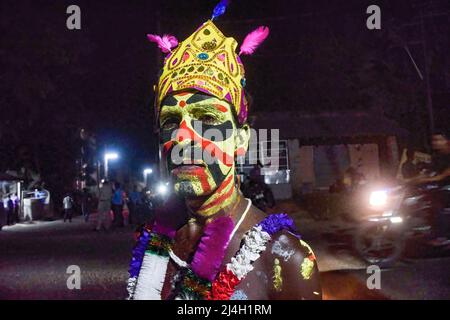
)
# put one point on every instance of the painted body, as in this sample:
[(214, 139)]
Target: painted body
[(208, 185)]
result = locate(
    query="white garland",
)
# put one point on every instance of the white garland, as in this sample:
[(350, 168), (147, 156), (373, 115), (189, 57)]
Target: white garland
[(131, 287), (177, 260), (151, 277), (254, 243)]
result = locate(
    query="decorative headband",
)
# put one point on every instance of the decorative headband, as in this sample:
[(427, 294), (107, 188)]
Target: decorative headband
[(207, 61)]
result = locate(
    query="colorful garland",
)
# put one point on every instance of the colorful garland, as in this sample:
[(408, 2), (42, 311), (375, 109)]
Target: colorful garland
[(136, 261), (201, 280), (254, 243)]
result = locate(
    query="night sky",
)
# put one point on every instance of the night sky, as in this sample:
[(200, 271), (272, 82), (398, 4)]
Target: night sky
[(319, 57)]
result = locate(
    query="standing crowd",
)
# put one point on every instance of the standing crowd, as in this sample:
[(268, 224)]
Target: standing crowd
[(116, 207)]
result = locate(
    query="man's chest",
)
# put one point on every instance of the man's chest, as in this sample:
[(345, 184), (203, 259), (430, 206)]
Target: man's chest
[(255, 285)]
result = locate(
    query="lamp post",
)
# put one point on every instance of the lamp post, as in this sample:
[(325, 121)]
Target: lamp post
[(146, 173), (109, 156)]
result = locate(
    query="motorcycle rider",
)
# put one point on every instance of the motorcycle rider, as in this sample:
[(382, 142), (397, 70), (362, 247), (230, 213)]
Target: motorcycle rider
[(256, 185), (441, 176), (255, 173), (410, 169)]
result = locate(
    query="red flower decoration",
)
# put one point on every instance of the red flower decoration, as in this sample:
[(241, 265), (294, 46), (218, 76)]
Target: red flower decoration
[(223, 287)]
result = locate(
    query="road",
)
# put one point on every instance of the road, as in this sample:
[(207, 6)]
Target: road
[(34, 260), (344, 275)]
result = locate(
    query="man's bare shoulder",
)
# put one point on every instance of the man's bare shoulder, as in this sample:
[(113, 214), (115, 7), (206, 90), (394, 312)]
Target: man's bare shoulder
[(293, 265)]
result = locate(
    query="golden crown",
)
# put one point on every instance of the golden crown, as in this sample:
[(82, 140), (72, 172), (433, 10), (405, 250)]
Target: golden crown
[(207, 61)]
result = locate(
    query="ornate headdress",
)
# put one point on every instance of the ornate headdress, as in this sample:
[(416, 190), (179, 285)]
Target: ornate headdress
[(207, 61)]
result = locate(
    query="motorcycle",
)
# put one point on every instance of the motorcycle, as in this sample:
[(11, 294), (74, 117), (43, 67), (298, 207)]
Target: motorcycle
[(396, 216)]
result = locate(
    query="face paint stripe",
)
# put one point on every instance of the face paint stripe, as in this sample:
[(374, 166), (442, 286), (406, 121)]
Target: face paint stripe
[(225, 129), (184, 132), (167, 146), (197, 97), (215, 152), (224, 184), (169, 101), (240, 151), (277, 279), (204, 182), (220, 199), (205, 185), (307, 268), (220, 107), (209, 146), (184, 93)]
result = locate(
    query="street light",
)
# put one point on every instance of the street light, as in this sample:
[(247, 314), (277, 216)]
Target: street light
[(162, 189), (146, 173), (109, 156)]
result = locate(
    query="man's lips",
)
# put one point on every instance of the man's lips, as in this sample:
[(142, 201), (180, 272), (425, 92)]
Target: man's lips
[(189, 169)]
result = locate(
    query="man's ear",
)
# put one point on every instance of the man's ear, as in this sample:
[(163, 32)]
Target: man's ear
[(242, 139)]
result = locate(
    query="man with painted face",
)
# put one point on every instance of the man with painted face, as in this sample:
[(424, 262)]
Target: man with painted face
[(225, 250)]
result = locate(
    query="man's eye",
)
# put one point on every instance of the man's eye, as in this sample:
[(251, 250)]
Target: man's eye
[(208, 119)]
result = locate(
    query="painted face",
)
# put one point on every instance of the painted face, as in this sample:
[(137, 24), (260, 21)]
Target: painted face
[(199, 140)]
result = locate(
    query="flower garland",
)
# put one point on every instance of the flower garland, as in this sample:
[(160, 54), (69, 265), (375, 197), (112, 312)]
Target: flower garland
[(212, 248), (254, 243), (202, 280), (149, 262), (153, 269), (136, 260)]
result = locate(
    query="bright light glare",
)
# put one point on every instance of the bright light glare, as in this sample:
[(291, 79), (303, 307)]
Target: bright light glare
[(162, 189), (111, 156), (378, 198), (396, 220), (147, 171)]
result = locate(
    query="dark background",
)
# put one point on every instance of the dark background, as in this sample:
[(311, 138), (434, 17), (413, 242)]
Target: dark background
[(319, 57)]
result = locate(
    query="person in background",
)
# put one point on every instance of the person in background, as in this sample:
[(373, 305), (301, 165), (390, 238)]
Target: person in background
[(255, 173), (134, 204), (9, 211), (353, 179), (68, 204), (117, 205), (27, 213), (440, 175), (16, 201), (409, 168), (85, 200), (104, 206), (125, 210)]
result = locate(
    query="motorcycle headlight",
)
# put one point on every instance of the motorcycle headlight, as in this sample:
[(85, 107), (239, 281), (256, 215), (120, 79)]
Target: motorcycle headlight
[(378, 198)]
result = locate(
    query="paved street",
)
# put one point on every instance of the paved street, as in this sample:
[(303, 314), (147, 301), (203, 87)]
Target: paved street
[(34, 259), (344, 275)]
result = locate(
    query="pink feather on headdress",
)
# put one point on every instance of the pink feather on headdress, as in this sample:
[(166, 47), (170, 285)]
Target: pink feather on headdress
[(253, 40), (165, 43)]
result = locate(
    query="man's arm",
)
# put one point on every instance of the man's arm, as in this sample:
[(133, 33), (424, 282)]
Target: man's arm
[(439, 177), (443, 175), (295, 275)]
